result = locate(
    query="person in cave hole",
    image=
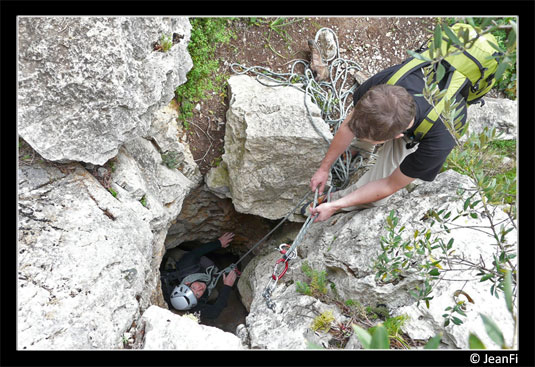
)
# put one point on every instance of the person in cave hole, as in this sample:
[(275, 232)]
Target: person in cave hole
[(191, 275)]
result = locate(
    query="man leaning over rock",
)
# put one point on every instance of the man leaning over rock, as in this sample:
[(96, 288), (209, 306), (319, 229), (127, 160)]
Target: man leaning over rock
[(388, 115)]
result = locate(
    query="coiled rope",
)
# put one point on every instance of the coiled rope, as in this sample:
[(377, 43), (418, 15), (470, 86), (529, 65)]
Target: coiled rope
[(330, 96)]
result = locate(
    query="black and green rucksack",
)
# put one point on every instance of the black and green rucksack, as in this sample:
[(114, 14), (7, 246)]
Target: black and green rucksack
[(476, 66)]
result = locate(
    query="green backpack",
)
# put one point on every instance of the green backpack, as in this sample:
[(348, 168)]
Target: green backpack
[(475, 66)]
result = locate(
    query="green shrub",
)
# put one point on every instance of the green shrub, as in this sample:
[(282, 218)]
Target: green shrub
[(318, 282), (170, 159), (206, 35), (323, 321), (485, 154)]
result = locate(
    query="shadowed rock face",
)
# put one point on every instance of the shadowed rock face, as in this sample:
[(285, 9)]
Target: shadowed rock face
[(205, 217)]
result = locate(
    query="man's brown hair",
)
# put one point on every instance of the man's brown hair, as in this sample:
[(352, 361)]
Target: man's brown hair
[(382, 113)]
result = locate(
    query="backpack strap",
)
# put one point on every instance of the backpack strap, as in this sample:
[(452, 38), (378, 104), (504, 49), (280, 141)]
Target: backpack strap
[(455, 83), (408, 68)]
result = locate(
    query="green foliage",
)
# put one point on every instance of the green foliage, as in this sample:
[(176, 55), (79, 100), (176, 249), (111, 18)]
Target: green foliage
[(170, 159), (323, 321), (253, 21), (474, 342), (318, 282), (449, 317), (483, 155), (433, 342), (278, 26), (478, 157), (375, 339), (203, 79), (506, 41), (493, 330), (143, 201), (311, 345), (393, 328), (166, 42), (382, 335), (401, 257)]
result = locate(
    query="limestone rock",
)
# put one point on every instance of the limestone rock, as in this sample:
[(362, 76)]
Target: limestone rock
[(499, 113), (164, 330), (77, 242), (86, 85), (346, 247), (169, 137), (288, 326), (272, 149)]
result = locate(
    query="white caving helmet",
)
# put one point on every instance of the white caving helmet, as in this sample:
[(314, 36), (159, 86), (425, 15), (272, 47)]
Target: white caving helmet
[(182, 298)]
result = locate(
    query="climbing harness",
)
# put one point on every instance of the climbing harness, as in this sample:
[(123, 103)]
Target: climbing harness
[(331, 96)]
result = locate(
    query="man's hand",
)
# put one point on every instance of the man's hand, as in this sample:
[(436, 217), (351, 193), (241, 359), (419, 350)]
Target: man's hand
[(319, 180), (324, 211), (226, 239), (230, 278)]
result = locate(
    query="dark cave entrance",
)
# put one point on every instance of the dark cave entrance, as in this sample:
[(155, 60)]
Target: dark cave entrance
[(235, 312)]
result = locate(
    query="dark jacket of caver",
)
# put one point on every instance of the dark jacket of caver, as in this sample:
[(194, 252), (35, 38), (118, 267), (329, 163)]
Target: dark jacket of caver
[(191, 263)]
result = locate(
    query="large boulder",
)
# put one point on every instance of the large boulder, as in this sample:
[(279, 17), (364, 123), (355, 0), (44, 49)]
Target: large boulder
[(347, 245), (86, 85), (272, 148), (160, 329)]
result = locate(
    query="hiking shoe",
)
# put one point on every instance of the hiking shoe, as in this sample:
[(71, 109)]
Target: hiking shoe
[(316, 62)]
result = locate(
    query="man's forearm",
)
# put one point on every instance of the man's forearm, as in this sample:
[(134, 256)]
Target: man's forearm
[(374, 191), (339, 144), (370, 192)]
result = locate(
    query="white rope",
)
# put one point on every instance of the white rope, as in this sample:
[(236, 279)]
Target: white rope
[(330, 96)]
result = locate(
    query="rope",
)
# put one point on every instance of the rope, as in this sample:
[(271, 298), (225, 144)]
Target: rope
[(234, 265), (330, 96)]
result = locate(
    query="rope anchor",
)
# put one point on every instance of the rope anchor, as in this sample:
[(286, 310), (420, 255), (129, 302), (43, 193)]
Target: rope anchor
[(332, 96), (288, 253)]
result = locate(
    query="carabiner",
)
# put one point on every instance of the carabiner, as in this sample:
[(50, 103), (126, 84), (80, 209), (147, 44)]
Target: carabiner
[(274, 276)]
